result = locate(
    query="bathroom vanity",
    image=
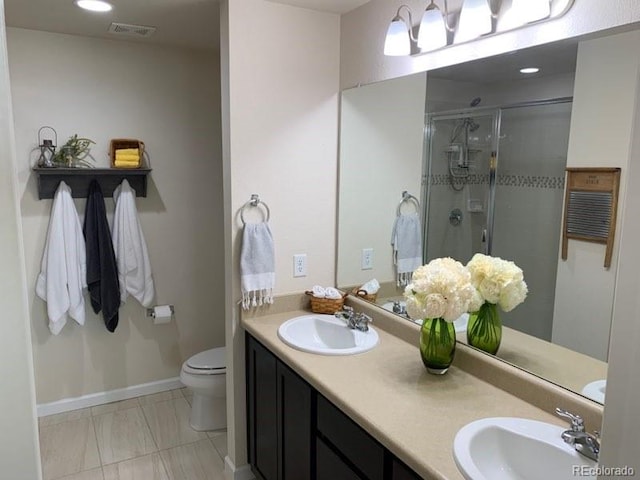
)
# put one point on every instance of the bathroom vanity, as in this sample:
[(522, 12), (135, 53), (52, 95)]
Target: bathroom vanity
[(377, 414)]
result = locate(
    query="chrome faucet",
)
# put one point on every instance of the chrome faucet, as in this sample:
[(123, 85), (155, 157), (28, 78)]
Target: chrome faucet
[(585, 443), (398, 308), (355, 321)]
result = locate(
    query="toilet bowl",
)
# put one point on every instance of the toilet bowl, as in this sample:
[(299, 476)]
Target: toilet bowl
[(205, 375)]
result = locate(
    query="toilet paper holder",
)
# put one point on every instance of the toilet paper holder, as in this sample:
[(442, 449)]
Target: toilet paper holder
[(151, 313)]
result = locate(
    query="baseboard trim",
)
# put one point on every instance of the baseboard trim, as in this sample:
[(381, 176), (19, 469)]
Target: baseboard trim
[(231, 472), (100, 398)]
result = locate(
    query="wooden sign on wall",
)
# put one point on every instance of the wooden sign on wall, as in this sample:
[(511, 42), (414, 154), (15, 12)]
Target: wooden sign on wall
[(590, 208)]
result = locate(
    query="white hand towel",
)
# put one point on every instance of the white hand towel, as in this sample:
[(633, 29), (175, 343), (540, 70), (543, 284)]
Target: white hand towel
[(406, 240), (371, 287), (318, 291), (132, 257), (63, 271), (257, 265), (332, 293)]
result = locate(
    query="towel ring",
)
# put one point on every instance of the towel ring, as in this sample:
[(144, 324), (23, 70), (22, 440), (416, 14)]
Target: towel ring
[(407, 197), (254, 202)]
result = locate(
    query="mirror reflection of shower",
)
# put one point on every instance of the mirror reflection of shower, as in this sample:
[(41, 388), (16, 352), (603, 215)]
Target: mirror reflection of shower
[(459, 154)]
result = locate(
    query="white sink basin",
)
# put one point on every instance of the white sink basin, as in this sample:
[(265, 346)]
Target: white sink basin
[(595, 390), (505, 448), (326, 335)]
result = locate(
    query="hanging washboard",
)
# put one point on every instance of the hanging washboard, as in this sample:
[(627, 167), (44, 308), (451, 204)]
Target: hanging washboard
[(590, 207)]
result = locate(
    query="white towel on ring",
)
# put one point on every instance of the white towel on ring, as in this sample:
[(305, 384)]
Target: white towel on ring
[(406, 240), (257, 265)]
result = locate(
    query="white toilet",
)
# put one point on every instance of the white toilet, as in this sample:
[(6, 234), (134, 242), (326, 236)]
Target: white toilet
[(205, 375)]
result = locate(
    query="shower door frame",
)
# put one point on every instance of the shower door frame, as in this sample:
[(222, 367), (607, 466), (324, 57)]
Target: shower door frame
[(471, 112)]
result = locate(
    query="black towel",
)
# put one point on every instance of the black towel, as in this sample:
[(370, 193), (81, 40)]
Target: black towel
[(102, 270)]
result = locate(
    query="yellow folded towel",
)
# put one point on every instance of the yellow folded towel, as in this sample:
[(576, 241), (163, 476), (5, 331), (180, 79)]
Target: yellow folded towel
[(128, 158), (127, 151), (126, 164)]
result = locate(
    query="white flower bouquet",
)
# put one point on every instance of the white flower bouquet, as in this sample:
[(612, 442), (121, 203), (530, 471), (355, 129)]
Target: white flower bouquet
[(496, 281), (440, 289)]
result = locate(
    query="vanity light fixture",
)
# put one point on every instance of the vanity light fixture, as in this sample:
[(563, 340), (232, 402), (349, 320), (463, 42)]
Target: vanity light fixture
[(94, 5), (399, 35), (475, 20), (529, 70), (529, 11), (433, 28)]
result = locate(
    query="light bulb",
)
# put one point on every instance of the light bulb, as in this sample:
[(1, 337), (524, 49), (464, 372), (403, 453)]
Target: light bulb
[(475, 20), (397, 41), (433, 33)]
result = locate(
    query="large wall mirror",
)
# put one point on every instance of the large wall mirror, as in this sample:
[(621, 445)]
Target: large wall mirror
[(482, 149)]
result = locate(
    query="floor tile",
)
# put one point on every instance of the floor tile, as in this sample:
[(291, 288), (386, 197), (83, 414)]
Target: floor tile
[(161, 397), (94, 474), (123, 435), (149, 467), (169, 423), (219, 440), (67, 448), (64, 417), (196, 461), (114, 406)]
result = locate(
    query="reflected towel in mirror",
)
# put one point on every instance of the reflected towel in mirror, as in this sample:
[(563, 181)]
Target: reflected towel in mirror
[(406, 240)]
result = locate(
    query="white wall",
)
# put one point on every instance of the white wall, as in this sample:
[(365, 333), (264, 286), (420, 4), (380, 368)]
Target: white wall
[(601, 134), (283, 74), (621, 419), (381, 142), (19, 450), (169, 98)]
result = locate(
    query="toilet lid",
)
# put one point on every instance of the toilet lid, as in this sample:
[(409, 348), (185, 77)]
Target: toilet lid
[(213, 359)]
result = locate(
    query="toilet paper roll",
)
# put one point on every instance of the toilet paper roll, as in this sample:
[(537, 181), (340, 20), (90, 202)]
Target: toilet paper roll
[(162, 314)]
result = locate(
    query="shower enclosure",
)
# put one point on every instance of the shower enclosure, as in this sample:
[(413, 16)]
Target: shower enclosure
[(495, 184)]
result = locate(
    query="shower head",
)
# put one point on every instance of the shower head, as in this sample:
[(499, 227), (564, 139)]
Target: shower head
[(475, 102), (471, 125)]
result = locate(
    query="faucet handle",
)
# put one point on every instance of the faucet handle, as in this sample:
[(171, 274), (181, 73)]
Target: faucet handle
[(577, 423)]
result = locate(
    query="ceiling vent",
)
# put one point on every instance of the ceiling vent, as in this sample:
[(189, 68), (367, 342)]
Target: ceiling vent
[(131, 30)]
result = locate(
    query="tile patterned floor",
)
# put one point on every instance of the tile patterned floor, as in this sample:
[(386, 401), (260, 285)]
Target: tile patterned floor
[(144, 438)]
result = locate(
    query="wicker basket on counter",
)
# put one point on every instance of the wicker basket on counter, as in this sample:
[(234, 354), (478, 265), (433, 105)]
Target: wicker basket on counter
[(325, 305), (370, 297)]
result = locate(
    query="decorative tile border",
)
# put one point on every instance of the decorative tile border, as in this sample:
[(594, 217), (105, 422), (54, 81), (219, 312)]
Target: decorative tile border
[(529, 181)]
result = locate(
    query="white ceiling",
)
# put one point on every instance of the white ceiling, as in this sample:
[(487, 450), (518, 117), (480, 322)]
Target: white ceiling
[(184, 23), (552, 59), (332, 6)]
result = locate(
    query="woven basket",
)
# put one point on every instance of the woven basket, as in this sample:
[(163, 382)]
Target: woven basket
[(370, 297), (119, 143), (325, 305)]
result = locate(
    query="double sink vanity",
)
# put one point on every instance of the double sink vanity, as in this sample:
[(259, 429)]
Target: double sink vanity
[(326, 401)]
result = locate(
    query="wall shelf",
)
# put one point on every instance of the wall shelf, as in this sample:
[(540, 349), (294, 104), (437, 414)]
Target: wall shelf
[(79, 179)]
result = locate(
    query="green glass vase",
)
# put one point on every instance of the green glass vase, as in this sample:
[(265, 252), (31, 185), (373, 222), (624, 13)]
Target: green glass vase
[(484, 330), (437, 345)]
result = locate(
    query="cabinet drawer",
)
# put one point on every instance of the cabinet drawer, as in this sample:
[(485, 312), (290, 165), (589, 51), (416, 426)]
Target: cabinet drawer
[(350, 440), (401, 472), (330, 466)]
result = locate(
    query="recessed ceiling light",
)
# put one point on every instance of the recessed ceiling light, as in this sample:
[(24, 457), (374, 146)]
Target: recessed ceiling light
[(94, 5), (529, 70)]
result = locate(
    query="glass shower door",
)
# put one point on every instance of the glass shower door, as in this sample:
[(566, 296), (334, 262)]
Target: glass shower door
[(461, 166)]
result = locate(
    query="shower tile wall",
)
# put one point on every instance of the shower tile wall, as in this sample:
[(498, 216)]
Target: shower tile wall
[(443, 238)]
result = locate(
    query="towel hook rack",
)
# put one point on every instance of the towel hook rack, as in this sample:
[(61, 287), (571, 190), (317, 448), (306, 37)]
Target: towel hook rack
[(254, 202), (407, 197)]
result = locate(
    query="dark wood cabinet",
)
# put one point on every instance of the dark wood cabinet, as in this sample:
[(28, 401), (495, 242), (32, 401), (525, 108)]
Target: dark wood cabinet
[(295, 433)]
